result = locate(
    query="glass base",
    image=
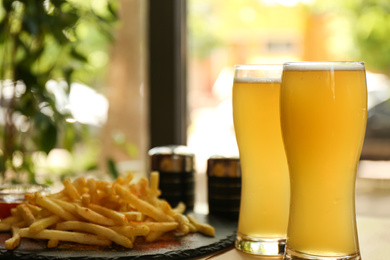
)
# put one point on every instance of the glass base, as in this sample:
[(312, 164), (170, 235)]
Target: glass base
[(295, 255), (260, 246)]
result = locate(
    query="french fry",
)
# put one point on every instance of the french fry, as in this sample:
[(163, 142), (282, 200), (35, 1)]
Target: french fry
[(85, 199), (30, 197), (129, 177), (192, 228), (142, 186), (153, 236), (14, 212), (154, 183), (52, 243), (92, 190), (183, 224), (5, 227), (20, 224), (26, 213), (77, 237), (71, 189), (66, 205), (53, 207), (123, 207), (44, 213), (119, 181), (11, 219), (97, 230), (142, 206), (93, 216), (203, 228), (180, 208), (35, 210), (80, 184), (117, 217), (43, 223), (160, 226), (181, 219), (59, 195), (99, 213), (133, 216), (101, 185), (132, 231), (14, 241)]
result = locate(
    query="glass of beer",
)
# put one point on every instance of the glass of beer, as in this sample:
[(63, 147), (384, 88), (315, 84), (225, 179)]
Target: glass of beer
[(264, 207), (323, 119)]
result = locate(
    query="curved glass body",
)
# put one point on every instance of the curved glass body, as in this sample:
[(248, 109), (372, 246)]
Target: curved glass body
[(265, 186), (323, 119)]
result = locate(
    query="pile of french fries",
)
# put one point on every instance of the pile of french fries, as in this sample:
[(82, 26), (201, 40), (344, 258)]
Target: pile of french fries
[(100, 213)]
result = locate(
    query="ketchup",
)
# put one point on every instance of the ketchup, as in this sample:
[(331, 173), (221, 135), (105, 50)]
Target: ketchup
[(5, 208), (11, 195)]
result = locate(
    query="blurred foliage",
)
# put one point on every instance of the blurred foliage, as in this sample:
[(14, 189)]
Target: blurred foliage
[(372, 30), (369, 28), (360, 28), (128, 148), (40, 41), (201, 27), (217, 23)]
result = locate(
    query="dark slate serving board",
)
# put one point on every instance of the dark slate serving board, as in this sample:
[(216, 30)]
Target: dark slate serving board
[(185, 247)]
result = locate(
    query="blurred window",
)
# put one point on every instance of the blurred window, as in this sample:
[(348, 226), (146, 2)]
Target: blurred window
[(222, 33)]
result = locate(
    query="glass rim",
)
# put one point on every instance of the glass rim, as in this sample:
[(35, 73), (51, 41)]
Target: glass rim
[(324, 65), (258, 66), (16, 189), (258, 73)]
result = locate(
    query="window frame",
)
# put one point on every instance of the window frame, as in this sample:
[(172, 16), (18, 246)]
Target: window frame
[(167, 63)]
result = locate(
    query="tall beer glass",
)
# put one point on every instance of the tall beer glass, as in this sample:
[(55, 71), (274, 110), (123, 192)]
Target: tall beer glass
[(323, 119), (264, 206)]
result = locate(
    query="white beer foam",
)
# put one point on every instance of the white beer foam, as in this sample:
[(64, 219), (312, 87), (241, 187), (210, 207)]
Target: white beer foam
[(323, 66), (257, 80)]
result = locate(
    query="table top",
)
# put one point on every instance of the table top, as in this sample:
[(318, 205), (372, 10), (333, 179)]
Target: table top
[(372, 217), (374, 241)]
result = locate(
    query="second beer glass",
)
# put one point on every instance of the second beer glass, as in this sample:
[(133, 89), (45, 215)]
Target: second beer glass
[(323, 118), (264, 206)]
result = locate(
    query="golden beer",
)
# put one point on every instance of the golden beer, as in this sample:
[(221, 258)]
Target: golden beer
[(323, 119), (265, 185)]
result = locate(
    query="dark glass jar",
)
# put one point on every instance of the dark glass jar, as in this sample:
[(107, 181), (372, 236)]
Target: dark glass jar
[(224, 186), (175, 163)]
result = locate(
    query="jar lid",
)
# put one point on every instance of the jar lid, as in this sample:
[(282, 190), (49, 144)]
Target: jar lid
[(222, 166), (172, 158)]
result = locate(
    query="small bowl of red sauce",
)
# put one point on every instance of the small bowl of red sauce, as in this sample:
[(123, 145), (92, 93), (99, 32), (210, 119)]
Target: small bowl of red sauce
[(11, 195)]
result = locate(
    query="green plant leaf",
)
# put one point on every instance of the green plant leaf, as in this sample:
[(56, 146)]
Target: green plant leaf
[(67, 72), (2, 163), (46, 133), (27, 104), (112, 8), (43, 46), (112, 170), (78, 55), (30, 21), (69, 136), (26, 75), (7, 5), (4, 30), (57, 3)]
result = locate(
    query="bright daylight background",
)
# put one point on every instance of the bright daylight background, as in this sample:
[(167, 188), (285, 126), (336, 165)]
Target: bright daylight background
[(223, 33), (106, 107)]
